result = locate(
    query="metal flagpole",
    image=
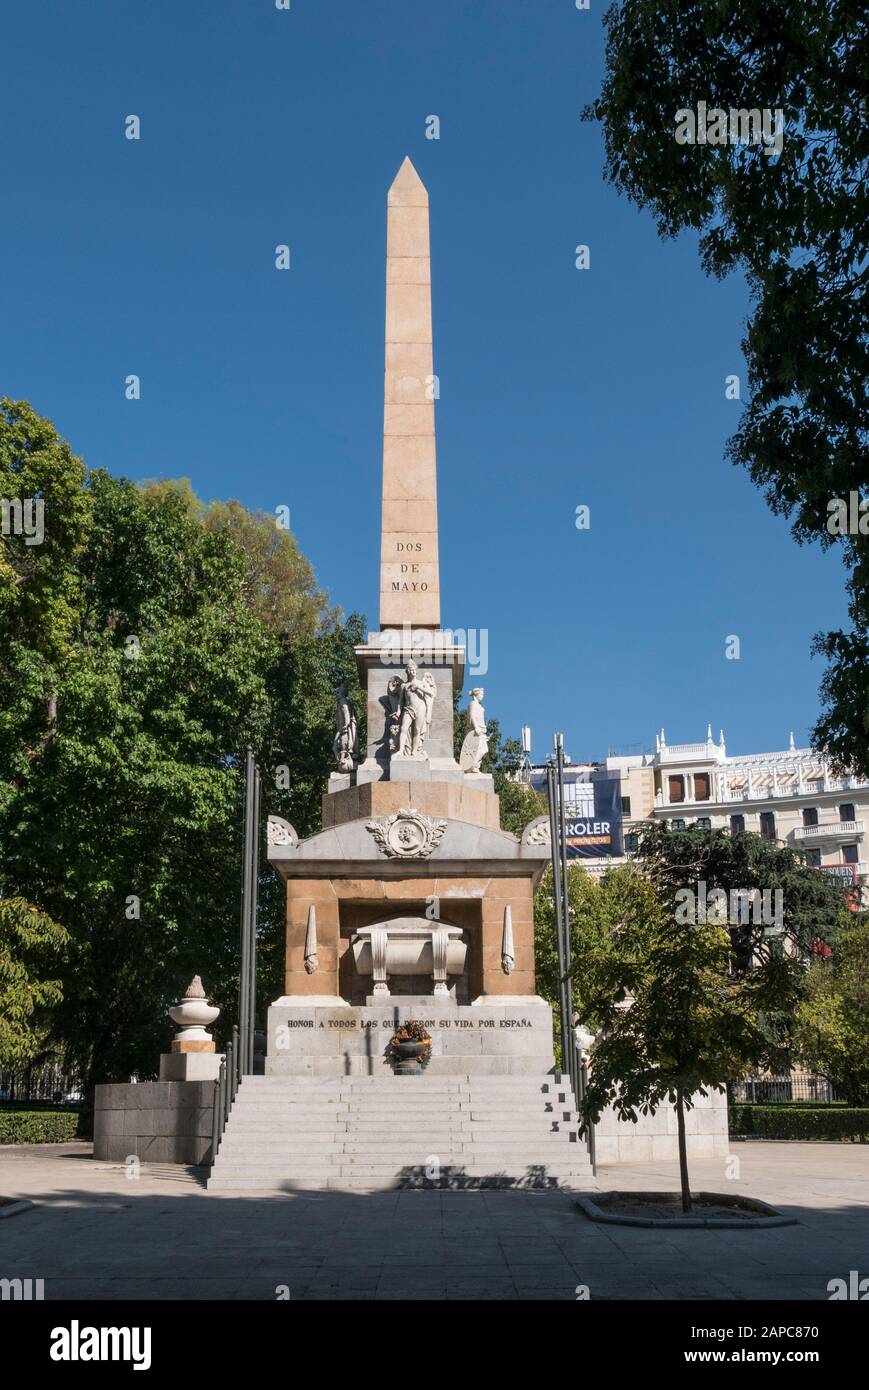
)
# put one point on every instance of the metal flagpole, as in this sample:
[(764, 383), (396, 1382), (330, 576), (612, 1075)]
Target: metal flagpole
[(246, 892), (567, 1004), (554, 832), (252, 916)]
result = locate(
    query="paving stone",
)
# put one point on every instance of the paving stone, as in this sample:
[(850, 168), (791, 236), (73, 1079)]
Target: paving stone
[(96, 1236)]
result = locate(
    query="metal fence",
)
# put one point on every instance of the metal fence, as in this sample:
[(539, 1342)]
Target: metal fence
[(792, 1086), (239, 1058), (47, 1083), (225, 1088), (571, 1053)]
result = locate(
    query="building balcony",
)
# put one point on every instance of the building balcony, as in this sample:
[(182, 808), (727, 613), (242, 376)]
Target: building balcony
[(837, 830)]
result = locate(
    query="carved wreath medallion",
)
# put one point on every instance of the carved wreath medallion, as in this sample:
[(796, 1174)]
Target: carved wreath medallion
[(538, 832), (280, 832), (407, 834)]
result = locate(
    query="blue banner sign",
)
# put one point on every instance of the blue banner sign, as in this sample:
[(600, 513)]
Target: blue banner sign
[(592, 812)]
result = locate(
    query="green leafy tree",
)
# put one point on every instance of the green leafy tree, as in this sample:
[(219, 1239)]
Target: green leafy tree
[(831, 1035), (810, 906), (40, 582), (31, 952), (674, 1017), (795, 224), (686, 989), (596, 906), (139, 664)]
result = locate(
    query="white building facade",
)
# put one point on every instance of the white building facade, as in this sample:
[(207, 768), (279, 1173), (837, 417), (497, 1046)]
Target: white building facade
[(791, 797)]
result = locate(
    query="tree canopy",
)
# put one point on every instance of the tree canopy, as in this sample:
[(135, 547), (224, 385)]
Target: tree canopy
[(143, 645), (686, 964), (31, 952), (831, 1036), (675, 1015), (795, 223)]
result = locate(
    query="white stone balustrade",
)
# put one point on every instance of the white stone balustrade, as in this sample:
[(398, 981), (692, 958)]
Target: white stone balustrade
[(832, 831)]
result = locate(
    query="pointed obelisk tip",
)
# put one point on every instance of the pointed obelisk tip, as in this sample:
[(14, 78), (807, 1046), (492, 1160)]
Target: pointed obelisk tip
[(407, 186)]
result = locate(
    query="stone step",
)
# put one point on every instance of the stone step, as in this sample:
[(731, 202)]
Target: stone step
[(570, 1183), (415, 1097), (531, 1114), (407, 1157), (539, 1125), (478, 1167), (389, 1078), (423, 1145), (401, 1133), (417, 1152), (375, 1133), (404, 1085), (401, 1142)]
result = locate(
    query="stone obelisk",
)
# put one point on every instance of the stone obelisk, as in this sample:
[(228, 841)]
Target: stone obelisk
[(407, 827), (409, 579)]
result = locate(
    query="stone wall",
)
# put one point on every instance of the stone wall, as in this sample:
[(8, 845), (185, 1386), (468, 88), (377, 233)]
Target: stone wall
[(493, 1040), (158, 1121), (655, 1137)]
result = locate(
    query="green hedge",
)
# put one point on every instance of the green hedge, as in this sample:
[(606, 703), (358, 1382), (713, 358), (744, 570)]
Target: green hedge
[(800, 1122), (43, 1126)]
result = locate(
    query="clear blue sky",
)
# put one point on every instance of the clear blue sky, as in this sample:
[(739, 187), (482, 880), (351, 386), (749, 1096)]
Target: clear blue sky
[(558, 387)]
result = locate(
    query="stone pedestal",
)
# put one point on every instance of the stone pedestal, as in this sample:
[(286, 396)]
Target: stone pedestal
[(476, 1039), (380, 662), (190, 1066), (162, 1121)]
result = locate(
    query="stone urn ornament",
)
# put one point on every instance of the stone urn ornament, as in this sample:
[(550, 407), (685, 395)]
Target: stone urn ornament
[(193, 1014)]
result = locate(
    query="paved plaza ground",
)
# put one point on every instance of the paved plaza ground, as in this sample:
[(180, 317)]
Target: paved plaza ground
[(96, 1234)]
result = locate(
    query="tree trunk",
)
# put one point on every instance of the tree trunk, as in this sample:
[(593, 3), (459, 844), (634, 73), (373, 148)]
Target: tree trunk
[(683, 1153)]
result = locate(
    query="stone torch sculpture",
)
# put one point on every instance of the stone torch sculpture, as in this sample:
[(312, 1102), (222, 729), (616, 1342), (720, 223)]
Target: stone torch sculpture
[(193, 1056)]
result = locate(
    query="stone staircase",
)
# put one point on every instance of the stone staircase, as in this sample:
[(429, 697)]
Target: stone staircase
[(374, 1133)]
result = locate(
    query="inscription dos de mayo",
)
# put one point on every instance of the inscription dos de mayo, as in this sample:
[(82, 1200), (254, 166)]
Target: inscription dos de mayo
[(409, 586)]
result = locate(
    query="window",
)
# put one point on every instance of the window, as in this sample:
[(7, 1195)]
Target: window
[(677, 824), (850, 854), (704, 823), (810, 815), (631, 844), (767, 825), (846, 811), (813, 857), (737, 825), (626, 805), (677, 788), (701, 786)]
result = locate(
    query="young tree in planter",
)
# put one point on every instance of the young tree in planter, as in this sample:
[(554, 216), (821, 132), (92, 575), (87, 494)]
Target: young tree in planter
[(831, 1035), (684, 998)]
